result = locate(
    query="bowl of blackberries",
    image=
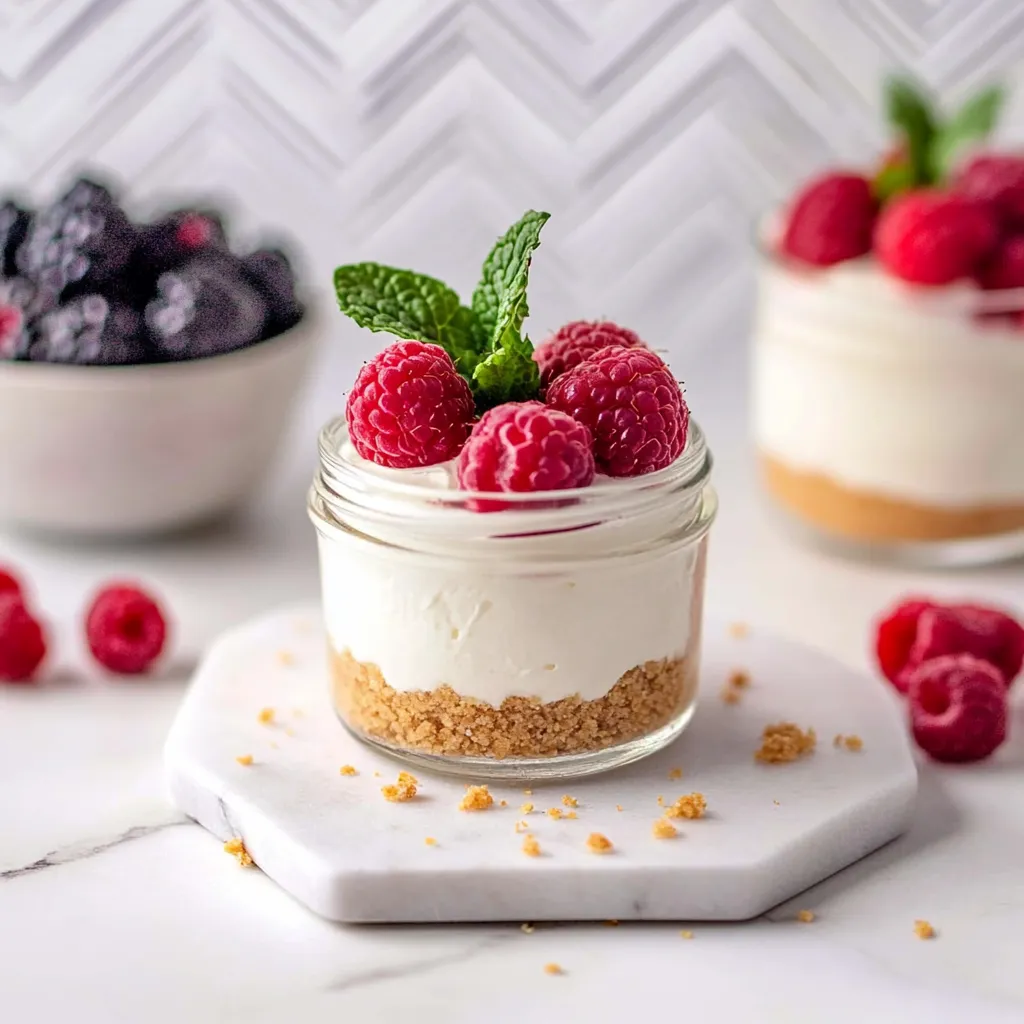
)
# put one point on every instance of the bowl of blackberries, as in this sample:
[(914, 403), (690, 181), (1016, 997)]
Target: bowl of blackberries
[(148, 369)]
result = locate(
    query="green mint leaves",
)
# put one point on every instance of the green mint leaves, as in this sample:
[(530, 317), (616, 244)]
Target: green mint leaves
[(484, 339), (930, 146)]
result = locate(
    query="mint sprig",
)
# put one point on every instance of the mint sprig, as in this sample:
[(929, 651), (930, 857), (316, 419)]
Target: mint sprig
[(910, 112), (972, 123)]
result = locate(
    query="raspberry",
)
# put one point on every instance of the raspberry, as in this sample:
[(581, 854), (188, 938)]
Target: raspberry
[(579, 340), (1005, 267), (22, 640), (409, 407), (998, 180), (125, 629), (632, 405), (957, 708), (526, 446), (933, 237), (895, 634), (831, 220), (9, 583)]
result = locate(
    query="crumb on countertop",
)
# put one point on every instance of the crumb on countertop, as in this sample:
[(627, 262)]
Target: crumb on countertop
[(522, 826), (404, 789), (852, 743), (739, 630), (237, 849), (527, 792), (526, 808), (776, 802), (664, 829), (675, 773), (686, 933), (530, 846), (298, 712), (376, 775), (618, 807), (571, 816), (597, 843), (692, 806), (527, 929), (477, 798), (730, 695), (430, 841), (266, 716), (570, 801), (244, 759), (924, 930), (555, 812), (739, 679), (805, 916), (285, 658), (347, 769), (553, 969), (784, 742)]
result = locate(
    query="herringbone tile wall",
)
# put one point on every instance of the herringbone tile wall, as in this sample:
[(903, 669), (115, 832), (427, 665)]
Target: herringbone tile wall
[(413, 131)]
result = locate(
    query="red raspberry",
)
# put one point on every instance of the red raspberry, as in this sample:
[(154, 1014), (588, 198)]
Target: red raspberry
[(1005, 267), (998, 180), (957, 708), (579, 340), (409, 407), (9, 583), (125, 629), (22, 640), (933, 237), (632, 405), (895, 634), (831, 220)]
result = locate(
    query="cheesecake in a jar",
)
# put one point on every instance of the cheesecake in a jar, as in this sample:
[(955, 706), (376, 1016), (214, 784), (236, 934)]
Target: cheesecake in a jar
[(888, 368), (512, 588)]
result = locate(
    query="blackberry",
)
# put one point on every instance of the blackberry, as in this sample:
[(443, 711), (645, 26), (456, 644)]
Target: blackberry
[(78, 244), (89, 330), (270, 273), (204, 308), (20, 304), (14, 222), (179, 237)]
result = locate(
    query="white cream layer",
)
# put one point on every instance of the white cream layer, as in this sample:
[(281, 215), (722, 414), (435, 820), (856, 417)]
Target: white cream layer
[(506, 627), (888, 389)]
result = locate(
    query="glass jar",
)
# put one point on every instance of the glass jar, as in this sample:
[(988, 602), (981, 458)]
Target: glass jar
[(888, 418), (538, 635)]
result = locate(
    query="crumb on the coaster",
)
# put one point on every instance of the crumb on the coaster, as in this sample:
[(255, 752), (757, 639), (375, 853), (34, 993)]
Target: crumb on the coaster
[(784, 742), (527, 929), (618, 807), (237, 849), (477, 798), (555, 812), (347, 769), (693, 805), (553, 969), (675, 773), (404, 789), (597, 843), (570, 801), (285, 658), (266, 716), (522, 826), (503, 803), (739, 679), (245, 759), (924, 930), (805, 916), (730, 695), (739, 630), (530, 846), (664, 829), (686, 933), (430, 841), (526, 808)]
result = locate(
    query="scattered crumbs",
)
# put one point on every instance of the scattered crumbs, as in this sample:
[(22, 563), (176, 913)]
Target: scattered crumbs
[(266, 716), (923, 930), (805, 916), (661, 801), (664, 829), (527, 929), (693, 805), (739, 630), (553, 969), (522, 826), (571, 815), (285, 658), (527, 792), (776, 802), (430, 841), (853, 743), (597, 843), (739, 679), (618, 807), (570, 801), (550, 667), (531, 847), (730, 695), (376, 775), (686, 933), (555, 812), (403, 790), (477, 798), (526, 808), (347, 769), (237, 849), (675, 773), (784, 742), (503, 803), (245, 759)]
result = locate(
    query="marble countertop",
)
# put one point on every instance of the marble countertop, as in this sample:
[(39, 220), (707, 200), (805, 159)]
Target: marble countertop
[(114, 908)]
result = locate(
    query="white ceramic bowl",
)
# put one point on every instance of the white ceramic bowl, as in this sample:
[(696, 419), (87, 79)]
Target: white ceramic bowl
[(128, 450)]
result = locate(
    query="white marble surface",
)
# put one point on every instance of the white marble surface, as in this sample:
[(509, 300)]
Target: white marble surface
[(112, 909)]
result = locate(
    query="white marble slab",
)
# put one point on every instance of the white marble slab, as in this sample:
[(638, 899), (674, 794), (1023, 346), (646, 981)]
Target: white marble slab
[(339, 847)]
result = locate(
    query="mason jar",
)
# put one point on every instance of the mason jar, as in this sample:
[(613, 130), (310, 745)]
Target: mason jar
[(538, 635), (888, 418)]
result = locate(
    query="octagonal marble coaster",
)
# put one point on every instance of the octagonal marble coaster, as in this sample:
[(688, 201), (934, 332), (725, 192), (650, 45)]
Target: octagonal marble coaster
[(337, 846)]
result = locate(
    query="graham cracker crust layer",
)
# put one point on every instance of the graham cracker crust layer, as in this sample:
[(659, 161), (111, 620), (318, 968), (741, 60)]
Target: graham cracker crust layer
[(440, 721), (861, 515)]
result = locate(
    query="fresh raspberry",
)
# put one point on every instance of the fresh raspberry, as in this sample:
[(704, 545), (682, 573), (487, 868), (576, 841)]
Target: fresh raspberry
[(125, 628), (957, 708), (409, 407), (831, 220), (632, 405), (1005, 267), (22, 640), (933, 237), (895, 634), (526, 446), (9, 583), (579, 340), (998, 180)]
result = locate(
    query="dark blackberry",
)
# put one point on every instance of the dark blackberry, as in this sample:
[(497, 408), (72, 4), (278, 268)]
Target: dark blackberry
[(89, 330), (14, 222), (204, 308), (179, 237), (270, 273), (20, 304), (78, 244)]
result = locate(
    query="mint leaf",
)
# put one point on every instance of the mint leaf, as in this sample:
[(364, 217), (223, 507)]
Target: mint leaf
[(910, 112), (508, 374), (892, 179), (972, 123), (408, 305)]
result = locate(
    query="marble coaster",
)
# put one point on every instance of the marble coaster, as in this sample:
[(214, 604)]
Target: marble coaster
[(339, 847)]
